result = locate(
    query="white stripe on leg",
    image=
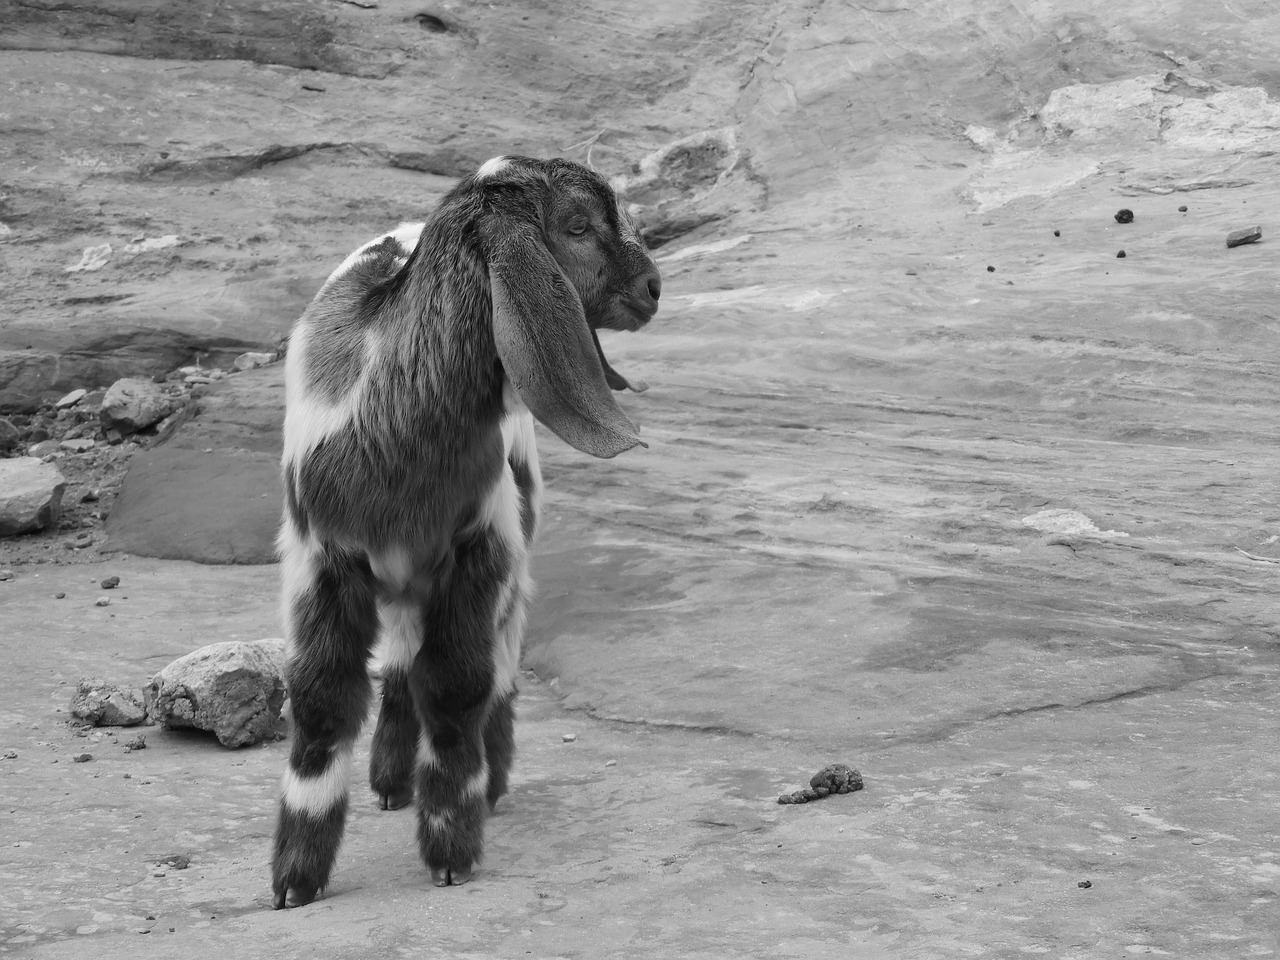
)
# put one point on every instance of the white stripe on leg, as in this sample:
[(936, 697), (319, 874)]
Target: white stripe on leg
[(316, 796)]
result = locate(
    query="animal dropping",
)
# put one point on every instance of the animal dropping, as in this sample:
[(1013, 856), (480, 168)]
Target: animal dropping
[(412, 492)]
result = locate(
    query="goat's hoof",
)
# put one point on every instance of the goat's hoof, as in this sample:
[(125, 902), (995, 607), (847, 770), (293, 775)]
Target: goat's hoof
[(450, 876), (294, 897), (395, 800)]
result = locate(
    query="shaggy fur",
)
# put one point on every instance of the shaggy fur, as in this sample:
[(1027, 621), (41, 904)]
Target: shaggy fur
[(412, 492)]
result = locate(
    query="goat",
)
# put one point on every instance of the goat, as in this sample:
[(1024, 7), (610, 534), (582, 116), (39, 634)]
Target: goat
[(412, 490)]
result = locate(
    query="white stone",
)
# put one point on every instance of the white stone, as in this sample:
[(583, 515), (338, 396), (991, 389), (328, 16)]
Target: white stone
[(250, 361), (30, 495), (131, 405), (234, 689), (93, 258), (71, 399)]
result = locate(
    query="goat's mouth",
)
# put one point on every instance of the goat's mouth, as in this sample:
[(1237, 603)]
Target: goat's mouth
[(611, 376)]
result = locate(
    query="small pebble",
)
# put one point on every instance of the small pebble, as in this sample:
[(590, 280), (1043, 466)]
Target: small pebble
[(10, 755), (611, 763), (569, 737), (1057, 233), (1183, 208), (6, 574), (110, 583), (59, 596), (102, 602), (1085, 884), (82, 758), (1124, 215), (990, 269), (1121, 255), (1197, 841)]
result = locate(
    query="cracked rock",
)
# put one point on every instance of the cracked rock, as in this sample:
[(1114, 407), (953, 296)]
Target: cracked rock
[(234, 689), (106, 705)]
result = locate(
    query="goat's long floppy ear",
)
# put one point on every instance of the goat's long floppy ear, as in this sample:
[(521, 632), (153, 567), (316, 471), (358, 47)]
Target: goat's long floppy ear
[(547, 349)]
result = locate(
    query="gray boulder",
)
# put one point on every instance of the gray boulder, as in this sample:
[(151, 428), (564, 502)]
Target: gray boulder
[(234, 689), (106, 705), (30, 495), (131, 405)]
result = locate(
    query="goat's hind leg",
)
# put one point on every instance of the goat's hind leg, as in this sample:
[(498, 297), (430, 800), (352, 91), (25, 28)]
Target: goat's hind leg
[(454, 684), (332, 623), (395, 741)]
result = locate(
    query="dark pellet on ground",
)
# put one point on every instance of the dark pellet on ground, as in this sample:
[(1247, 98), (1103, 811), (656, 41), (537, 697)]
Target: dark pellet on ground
[(991, 269), (834, 778), (1085, 884), (1121, 254), (1057, 233), (1124, 215), (110, 583), (1183, 208)]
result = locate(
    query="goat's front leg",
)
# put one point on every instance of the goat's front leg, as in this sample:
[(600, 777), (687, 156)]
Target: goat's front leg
[(331, 624)]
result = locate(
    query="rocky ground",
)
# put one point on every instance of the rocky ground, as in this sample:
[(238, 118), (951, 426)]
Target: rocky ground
[(939, 486)]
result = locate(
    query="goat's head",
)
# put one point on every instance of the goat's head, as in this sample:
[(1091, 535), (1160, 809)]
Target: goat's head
[(564, 260)]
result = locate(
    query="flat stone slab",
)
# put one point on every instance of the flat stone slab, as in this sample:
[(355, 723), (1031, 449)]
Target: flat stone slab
[(183, 504)]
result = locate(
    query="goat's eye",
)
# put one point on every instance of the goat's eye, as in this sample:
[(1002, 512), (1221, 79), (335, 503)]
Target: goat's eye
[(577, 228)]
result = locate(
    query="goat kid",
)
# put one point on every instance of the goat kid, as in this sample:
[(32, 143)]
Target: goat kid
[(412, 491)]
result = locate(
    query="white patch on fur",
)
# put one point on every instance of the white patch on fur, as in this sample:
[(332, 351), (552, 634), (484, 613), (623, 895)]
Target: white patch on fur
[(426, 753), (316, 796), (406, 235), (509, 636), (399, 638), (492, 167), (439, 822), (478, 785), (308, 419), (393, 567), (297, 573), (500, 512), (520, 443)]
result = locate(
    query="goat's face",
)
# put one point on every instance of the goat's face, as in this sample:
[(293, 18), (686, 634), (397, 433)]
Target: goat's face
[(600, 250), (565, 260)]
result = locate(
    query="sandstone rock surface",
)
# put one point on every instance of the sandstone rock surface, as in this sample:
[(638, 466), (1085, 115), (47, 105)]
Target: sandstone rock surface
[(234, 689), (30, 495)]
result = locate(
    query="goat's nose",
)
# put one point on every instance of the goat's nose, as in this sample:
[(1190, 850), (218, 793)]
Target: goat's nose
[(648, 287)]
